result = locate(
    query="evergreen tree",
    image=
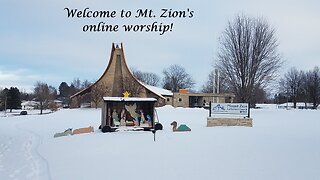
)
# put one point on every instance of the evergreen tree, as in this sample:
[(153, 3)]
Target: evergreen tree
[(3, 99), (64, 90), (64, 93), (13, 99)]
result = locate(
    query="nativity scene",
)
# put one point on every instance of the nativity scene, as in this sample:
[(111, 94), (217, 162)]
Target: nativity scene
[(119, 112)]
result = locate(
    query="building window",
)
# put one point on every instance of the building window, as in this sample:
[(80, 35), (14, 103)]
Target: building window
[(179, 99), (168, 99)]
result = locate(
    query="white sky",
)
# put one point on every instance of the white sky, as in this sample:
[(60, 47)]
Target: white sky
[(39, 43)]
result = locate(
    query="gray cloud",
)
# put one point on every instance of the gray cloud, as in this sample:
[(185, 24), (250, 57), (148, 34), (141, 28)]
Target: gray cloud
[(38, 36)]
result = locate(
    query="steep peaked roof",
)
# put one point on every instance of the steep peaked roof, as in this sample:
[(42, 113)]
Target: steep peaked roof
[(117, 69)]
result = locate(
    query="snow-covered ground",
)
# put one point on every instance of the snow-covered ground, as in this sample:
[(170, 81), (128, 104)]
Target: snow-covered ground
[(282, 144)]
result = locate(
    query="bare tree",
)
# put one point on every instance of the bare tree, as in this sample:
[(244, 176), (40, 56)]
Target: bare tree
[(312, 86), (147, 77), (208, 87), (53, 92), (215, 83), (42, 94), (97, 92), (176, 77), (260, 95), (292, 85), (280, 98), (85, 84), (76, 83), (248, 56)]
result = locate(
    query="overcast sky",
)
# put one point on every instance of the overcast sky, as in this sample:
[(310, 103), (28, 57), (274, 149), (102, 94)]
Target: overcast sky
[(38, 42)]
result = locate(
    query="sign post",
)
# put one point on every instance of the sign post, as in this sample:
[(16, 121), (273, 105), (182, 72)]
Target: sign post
[(230, 108), (231, 114)]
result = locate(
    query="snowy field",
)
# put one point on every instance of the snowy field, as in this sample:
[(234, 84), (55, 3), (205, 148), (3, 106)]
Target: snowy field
[(281, 145)]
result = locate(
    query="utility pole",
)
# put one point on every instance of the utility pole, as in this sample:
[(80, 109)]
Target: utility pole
[(216, 83), (213, 85)]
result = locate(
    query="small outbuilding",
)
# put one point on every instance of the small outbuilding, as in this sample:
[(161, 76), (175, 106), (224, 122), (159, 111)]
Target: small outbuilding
[(128, 111)]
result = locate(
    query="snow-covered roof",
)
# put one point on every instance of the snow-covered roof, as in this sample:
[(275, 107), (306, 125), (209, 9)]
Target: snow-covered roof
[(128, 99), (158, 90), (299, 104), (29, 103)]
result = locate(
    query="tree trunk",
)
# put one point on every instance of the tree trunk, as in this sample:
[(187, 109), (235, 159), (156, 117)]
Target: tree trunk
[(294, 103), (41, 107)]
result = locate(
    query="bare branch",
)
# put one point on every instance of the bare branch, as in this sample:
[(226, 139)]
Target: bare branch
[(248, 56)]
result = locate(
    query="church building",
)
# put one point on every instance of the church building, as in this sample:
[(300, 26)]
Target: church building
[(116, 80)]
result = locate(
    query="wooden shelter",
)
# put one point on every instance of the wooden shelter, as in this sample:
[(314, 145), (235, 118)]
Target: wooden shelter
[(128, 111)]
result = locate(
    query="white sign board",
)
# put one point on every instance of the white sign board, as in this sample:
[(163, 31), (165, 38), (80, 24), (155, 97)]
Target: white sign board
[(230, 108)]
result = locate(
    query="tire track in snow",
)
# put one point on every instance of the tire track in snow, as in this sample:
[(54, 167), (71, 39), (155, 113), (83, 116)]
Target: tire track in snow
[(4, 149), (19, 155), (38, 165)]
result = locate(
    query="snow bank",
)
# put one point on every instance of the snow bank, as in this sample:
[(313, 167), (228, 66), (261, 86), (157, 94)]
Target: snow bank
[(266, 106), (281, 145)]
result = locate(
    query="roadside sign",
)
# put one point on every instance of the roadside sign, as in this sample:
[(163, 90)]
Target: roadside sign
[(230, 108)]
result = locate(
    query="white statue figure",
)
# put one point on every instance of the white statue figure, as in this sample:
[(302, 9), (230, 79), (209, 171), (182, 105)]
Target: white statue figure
[(143, 120), (132, 111), (115, 118), (123, 117), (149, 120)]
